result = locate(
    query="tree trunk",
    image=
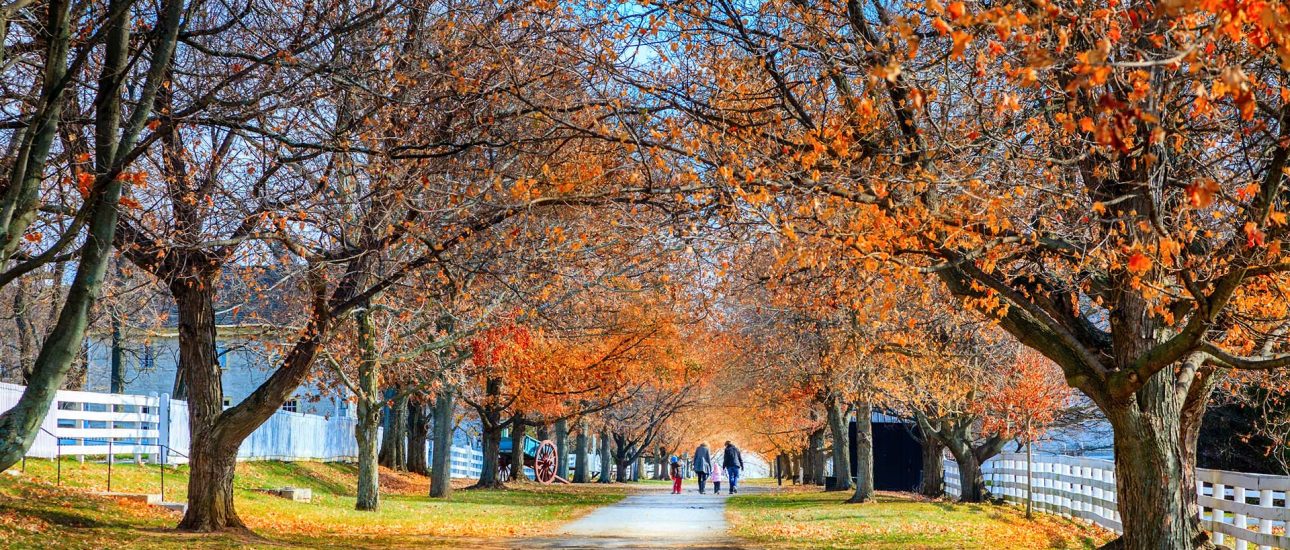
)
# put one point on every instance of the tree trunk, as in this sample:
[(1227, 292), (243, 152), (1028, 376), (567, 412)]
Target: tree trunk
[(956, 433), (864, 454), (491, 423), (581, 460), (841, 443), (27, 335), (369, 413), (369, 478), (1030, 478), (116, 376), (971, 480), (394, 444), (622, 472), (418, 434), (210, 484), (932, 484), (816, 442), (606, 458), (622, 459), (562, 448), (441, 473), (660, 464), (1156, 433), (210, 487), (517, 449), (492, 441)]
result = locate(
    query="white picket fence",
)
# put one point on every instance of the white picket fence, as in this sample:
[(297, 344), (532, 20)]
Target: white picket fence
[(1242, 511), (96, 424)]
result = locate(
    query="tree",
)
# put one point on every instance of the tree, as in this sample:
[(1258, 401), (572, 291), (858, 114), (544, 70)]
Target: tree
[(502, 350), (1026, 406)]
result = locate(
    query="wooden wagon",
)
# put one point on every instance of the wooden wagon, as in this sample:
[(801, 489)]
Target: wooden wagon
[(540, 457)]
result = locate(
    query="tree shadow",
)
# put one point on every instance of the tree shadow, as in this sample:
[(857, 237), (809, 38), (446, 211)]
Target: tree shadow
[(305, 475)]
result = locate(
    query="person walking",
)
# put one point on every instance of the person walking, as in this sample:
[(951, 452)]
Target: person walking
[(702, 466), (733, 461), (716, 479), (676, 476)]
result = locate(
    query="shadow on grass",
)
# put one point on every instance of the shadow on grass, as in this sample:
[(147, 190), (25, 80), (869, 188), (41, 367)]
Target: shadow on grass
[(56, 509), (306, 474), (944, 505)]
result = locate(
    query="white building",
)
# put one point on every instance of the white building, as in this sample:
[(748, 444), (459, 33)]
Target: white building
[(151, 361)]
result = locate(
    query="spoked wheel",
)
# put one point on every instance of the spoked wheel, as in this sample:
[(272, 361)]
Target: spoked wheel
[(503, 473), (544, 463)]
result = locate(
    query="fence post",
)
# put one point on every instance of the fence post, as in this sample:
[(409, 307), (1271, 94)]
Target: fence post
[(1095, 490), (1068, 504), (1265, 524), (163, 427), (1218, 515), (1238, 495), (110, 461)]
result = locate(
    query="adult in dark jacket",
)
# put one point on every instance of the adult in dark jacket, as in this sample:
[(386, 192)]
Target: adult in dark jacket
[(702, 466), (733, 461)]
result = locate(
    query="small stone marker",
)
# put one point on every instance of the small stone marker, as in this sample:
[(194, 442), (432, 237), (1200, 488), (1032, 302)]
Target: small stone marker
[(296, 494)]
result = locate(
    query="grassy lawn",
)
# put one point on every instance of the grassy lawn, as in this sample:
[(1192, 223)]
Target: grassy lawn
[(36, 514), (802, 519)]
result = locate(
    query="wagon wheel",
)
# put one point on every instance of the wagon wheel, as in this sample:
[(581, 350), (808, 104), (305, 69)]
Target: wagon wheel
[(503, 473), (544, 462)]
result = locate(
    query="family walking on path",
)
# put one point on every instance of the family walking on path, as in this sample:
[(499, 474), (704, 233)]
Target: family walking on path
[(732, 461), (634, 522)]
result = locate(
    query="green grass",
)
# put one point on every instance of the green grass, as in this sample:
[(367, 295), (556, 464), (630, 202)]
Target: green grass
[(802, 519), (36, 514)]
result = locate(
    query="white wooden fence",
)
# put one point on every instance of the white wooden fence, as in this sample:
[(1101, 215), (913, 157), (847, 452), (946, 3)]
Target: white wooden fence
[(96, 424), (1242, 511)]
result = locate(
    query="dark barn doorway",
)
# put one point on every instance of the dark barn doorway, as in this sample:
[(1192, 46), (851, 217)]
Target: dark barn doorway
[(897, 455)]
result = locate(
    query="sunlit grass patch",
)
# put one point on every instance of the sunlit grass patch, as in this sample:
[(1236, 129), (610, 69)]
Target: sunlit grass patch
[(816, 519)]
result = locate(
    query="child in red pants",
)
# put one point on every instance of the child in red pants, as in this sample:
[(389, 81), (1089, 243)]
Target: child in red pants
[(676, 476)]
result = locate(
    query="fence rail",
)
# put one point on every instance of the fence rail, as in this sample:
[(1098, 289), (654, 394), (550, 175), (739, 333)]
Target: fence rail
[(1242, 511)]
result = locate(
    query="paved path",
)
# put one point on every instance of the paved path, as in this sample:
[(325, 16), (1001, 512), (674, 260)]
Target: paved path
[(648, 519)]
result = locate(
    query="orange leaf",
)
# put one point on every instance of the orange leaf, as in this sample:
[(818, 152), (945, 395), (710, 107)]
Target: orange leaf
[(1201, 193), (956, 10), (1253, 237), (1139, 263), (84, 181), (961, 40), (941, 26)]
